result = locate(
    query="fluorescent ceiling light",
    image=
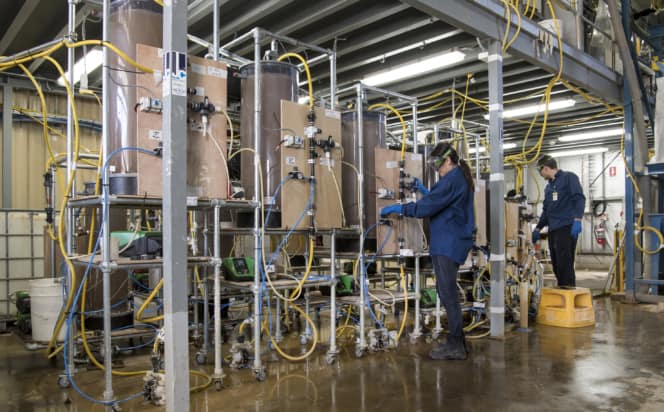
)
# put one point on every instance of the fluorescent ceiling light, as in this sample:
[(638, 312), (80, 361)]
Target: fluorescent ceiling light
[(591, 135), (536, 108), (413, 69), (483, 149), (579, 152), (87, 64)]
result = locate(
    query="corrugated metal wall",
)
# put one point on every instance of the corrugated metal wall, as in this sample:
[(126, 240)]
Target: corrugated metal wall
[(29, 153)]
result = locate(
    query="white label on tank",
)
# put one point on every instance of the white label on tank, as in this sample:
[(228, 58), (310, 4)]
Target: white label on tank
[(415, 156), (198, 68), (290, 161), (216, 72), (192, 201), (391, 164), (333, 114), (154, 134)]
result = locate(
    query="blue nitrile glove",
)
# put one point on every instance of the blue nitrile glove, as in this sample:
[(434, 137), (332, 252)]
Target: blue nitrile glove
[(576, 229), (536, 235), (417, 184), (388, 210)]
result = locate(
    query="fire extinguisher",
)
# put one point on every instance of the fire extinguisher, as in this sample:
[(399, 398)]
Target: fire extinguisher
[(600, 233)]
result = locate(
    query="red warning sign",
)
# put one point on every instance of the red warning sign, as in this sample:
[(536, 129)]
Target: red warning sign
[(612, 171)]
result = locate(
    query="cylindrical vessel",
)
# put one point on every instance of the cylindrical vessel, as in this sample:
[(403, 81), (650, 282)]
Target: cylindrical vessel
[(373, 125), (45, 302), (278, 82), (131, 22)]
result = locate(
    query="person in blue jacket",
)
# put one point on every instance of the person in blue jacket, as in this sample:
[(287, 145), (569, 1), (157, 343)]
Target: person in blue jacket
[(449, 205), (564, 203)]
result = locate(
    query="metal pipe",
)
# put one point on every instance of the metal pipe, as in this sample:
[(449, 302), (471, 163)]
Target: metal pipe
[(360, 203), (332, 351), (52, 206), (258, 197), (206, 300), (253, 33), (215, 30), (217, 296), (417, 331), (106, 228), (294, 42), (333, 80), (42, 47), (438, 328), (70, 170)]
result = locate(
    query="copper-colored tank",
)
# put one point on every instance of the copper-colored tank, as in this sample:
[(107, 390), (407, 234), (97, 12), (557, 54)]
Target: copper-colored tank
[(373, 126), (131, 22), (278, 82)]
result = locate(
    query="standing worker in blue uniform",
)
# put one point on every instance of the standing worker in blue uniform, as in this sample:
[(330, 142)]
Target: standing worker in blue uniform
[(449, 205), (564, 203)]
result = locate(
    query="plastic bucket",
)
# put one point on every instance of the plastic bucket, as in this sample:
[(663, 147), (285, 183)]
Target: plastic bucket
[(45, 305)]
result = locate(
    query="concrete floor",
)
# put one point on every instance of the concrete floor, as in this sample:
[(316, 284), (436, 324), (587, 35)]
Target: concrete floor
[(616, 366)]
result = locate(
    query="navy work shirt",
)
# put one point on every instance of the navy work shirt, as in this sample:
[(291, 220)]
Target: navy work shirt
[(450, 207), (563, 201)]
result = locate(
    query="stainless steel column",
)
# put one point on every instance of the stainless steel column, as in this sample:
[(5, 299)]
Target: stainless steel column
[(7, 103), (174, 170), (360, 202), (332, 351), (258, 199), (218, 373), (106, 235), (497, 191)]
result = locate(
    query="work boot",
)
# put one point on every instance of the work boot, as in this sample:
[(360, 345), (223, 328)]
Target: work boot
[(454, 349)]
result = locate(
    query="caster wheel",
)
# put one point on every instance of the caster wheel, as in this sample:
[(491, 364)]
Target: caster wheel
[(217, 385), (201, 358), (260, 375), (330, 359), (359, 353), (63, 382)]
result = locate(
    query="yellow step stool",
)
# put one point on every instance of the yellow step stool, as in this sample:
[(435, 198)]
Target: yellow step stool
[(566, 308)]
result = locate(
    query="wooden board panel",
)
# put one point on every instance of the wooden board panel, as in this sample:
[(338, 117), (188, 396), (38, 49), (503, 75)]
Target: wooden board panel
[(295, 193), (513, 243), (206, 174), (387, 176)]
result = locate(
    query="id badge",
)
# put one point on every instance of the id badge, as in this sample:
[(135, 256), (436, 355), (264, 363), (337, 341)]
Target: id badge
[(555, 196)]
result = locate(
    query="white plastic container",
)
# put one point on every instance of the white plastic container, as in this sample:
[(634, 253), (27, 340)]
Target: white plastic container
[(45, 304)]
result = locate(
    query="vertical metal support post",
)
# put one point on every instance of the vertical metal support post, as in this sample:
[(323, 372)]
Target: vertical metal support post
[(360, 203), (333, 79), (277, 335), (439, 327), (71, 167), (7, 104), (52, 206), (332, 351), (206, 302), (417, 329), (417, 332), (106, 224), (174, 170), (215, 30), (194, 282), (497, 191), (218, 372), (630, 196), (258, 199)]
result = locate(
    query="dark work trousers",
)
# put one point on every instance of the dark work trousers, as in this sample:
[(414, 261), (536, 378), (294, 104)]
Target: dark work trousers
[(562, 246), (446, 283)]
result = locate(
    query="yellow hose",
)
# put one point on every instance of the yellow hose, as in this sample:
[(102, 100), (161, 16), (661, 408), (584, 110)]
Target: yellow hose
[(405, 303), (148, 300), (306, 70), (404, 133), (65, 196)]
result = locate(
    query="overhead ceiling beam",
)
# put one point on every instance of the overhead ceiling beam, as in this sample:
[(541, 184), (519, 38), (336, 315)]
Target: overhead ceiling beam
[(244, 21), (485, 19), (19, 21), (316, 12)]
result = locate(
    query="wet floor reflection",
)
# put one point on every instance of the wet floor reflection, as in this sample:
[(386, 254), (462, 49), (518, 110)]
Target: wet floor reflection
[(615, 366)]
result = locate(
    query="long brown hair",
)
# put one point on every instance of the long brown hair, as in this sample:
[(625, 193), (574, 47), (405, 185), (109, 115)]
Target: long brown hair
[(445, 150)]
